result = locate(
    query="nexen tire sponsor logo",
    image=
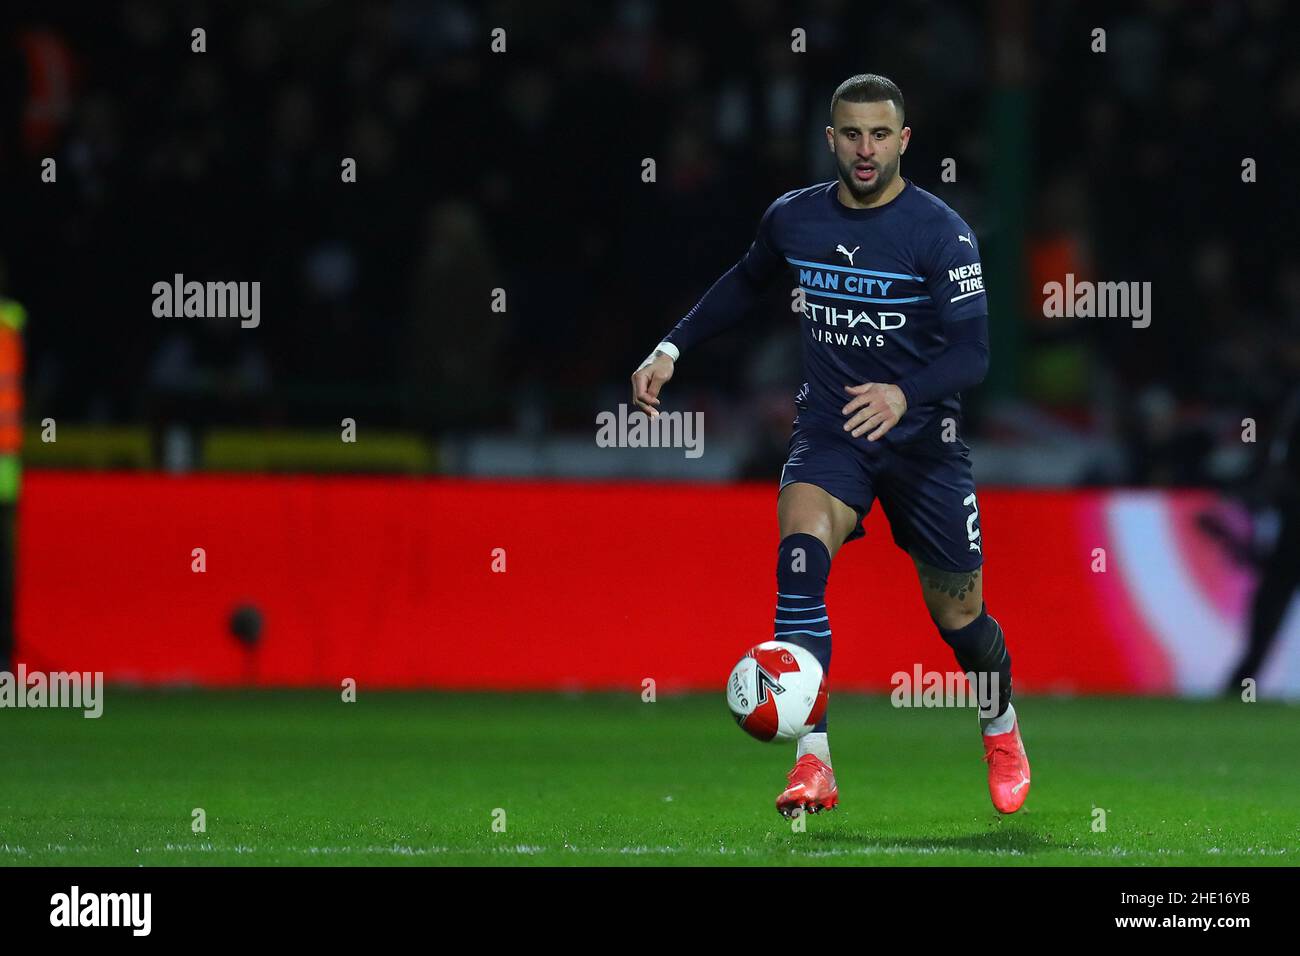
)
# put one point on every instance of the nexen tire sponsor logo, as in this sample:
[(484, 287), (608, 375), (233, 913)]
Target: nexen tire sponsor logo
[(968, 278), (102, 909)]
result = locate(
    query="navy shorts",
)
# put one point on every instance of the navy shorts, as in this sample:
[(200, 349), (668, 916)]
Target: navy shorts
[(926, 487)]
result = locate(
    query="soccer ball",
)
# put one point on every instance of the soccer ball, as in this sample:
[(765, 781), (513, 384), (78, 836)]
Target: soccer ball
[(777, 691)]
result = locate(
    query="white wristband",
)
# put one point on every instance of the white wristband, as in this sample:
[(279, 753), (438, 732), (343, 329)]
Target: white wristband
[(672, 351)]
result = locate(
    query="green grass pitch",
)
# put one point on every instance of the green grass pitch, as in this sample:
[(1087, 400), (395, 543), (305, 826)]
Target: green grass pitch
[(419, 779)]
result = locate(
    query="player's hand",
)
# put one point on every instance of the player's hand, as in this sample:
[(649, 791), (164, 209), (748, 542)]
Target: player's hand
[(648, 379), (874, 408)]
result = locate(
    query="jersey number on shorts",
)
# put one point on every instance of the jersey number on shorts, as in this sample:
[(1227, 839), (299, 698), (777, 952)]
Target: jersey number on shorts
[(972, 532)]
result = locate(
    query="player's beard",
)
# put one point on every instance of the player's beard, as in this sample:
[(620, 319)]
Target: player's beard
[(864, 192)]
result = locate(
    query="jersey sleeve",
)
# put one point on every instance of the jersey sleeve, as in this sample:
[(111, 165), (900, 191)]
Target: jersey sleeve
[(954, 278), (953, 272), (737, 292)]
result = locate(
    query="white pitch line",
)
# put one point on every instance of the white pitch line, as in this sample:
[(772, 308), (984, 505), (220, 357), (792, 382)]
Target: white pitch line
[(529, 850)]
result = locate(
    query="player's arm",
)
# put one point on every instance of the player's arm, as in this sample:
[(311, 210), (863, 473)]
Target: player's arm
[(725, 305), (876, 407), (955, 281), (955, 278)]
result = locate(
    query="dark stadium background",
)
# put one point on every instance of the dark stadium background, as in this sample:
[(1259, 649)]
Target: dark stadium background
[(521, 170), (473, 636)]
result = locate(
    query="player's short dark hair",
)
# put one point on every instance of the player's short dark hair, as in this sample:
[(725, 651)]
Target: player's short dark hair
[(868, 88)]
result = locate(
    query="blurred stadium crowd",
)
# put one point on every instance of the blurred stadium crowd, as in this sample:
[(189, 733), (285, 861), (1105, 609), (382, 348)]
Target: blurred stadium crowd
[(522, 171)]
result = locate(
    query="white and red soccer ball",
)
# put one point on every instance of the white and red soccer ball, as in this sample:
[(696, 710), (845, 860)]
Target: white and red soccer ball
[(777, 691)]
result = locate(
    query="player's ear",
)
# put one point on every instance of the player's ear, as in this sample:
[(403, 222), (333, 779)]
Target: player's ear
[(830, 137), (905, 137)]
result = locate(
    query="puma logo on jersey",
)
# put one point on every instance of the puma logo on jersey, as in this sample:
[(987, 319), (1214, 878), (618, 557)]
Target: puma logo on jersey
[(847, 253), (966, 239)]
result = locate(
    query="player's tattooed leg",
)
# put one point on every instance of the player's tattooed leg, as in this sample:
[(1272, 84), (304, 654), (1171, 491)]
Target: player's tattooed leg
[(953, 598), (955, 601), (955, 584)]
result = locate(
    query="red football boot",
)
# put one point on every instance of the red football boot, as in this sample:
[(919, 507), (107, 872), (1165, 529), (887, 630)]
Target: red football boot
[(811, 787), (1008, 769)]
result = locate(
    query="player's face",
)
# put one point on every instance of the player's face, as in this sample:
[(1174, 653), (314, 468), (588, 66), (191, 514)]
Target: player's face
[(868, 141)]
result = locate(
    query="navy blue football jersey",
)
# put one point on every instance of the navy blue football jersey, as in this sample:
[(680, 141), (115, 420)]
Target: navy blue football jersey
[(885, 294)]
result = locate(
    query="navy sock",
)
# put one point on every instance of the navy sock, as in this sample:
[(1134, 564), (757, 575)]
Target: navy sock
[(803, 565), (981, 648)]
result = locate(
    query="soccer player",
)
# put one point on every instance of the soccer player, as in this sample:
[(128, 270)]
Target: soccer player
[(894, 324)]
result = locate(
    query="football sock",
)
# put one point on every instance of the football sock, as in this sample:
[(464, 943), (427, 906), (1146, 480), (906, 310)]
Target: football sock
[(818, 745), (999, 725), (803, 565), (981, 648)]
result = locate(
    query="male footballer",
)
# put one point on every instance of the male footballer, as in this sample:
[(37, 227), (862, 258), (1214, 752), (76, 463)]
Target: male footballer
[(895, 326)]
